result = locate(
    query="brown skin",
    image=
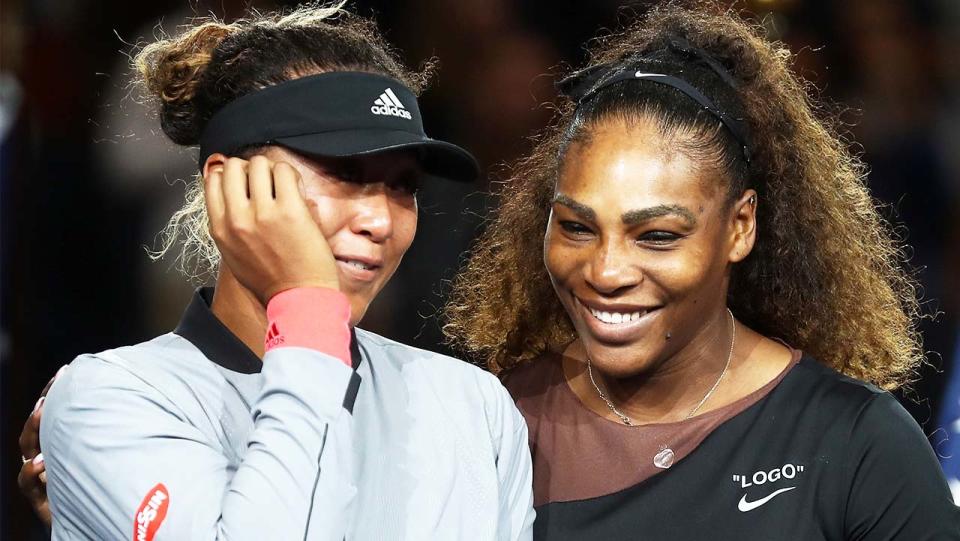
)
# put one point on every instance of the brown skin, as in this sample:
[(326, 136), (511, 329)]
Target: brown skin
[(636, 226), (32, 478), (282, 221)]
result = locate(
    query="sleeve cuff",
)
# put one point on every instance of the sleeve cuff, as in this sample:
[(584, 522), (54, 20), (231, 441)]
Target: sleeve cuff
[(310, 317)]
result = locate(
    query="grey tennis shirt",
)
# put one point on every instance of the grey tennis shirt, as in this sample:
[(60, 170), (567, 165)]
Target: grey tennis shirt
[(190, 436)]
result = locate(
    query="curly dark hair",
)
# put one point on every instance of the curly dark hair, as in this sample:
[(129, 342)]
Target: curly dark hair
[(827, 274)]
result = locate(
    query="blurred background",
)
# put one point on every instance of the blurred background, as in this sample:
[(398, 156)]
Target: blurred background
[(87, 180)]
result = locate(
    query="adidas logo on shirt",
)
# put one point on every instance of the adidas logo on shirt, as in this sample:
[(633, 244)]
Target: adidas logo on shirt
[(389, 104)]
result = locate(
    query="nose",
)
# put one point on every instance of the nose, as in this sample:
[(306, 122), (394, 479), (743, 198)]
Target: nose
[(373, 217), (613, 269)]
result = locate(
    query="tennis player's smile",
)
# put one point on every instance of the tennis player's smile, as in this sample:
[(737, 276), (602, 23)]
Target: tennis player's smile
[(618, 323)]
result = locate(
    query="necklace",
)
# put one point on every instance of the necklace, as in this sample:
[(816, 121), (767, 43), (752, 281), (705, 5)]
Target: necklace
[(664, 458)]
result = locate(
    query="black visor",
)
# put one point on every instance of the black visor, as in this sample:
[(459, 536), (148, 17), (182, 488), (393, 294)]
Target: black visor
[(335, 114)]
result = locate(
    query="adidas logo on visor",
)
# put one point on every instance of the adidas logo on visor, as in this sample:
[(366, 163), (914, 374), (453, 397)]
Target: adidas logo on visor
[(389, 104)]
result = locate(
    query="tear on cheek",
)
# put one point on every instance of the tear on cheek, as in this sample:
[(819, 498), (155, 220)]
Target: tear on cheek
[(669, 336)]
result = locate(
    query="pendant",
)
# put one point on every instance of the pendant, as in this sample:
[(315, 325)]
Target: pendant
[(664, 458)]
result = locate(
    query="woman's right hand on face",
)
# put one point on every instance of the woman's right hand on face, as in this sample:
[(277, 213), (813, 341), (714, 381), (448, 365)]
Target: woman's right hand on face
[(263, 228)]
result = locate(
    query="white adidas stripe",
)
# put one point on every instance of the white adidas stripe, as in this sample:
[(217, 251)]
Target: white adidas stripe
[(393, 97)]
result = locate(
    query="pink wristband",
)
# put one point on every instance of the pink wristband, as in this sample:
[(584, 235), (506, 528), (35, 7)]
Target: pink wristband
[(310, 317)]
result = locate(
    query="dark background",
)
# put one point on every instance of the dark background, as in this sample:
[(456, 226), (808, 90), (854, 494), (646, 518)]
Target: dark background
[(87, 180)]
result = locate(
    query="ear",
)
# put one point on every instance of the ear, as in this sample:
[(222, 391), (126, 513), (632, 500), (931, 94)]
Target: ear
[(743, 222), (214, 162)]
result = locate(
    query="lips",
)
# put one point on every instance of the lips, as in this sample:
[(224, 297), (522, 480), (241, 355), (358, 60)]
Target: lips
[(359, 268), (616, 318), (617, 323)]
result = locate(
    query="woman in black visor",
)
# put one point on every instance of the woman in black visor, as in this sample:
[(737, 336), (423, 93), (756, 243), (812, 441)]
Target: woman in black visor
[(266, 414), (698, 308)]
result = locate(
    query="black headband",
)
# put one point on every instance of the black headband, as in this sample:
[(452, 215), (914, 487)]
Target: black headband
[(334, 114), (585, 84)]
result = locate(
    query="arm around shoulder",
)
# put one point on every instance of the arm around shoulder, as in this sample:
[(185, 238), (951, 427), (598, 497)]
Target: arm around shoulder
[(124, 459), (112, 442)]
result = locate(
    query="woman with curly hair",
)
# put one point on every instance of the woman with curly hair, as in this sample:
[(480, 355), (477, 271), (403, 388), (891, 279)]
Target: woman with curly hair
[(266, 414), (698, 309)]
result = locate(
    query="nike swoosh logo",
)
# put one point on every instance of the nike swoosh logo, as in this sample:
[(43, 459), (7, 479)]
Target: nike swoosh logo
[(745, 506)]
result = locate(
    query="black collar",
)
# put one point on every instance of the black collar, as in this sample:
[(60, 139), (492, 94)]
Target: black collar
[(217, 343)]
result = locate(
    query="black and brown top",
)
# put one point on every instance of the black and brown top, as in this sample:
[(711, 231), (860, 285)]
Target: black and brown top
[(812, 455)]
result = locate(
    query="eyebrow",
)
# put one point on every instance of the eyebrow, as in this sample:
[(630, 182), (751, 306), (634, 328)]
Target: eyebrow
[(631, 217), (583, 210), (634, 217)]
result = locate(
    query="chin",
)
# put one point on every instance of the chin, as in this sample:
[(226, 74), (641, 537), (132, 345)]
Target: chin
[(358, 309), (621, 361), (360, 299)]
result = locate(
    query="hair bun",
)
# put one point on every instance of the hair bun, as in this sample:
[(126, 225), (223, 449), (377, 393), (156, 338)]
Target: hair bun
[(171, 70)]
